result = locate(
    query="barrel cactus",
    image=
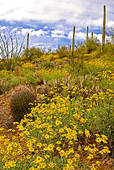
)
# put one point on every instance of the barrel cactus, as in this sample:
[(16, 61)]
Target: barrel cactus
[(21, 98)]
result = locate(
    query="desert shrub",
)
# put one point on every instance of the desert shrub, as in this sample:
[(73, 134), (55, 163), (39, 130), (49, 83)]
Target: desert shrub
[(52, 74), (81, 49), (47, 65), (30, 77), (29, 66), (10, 64), (96, 65), (33, 53), (62, 51), (109, 50), (14, 81), (4, 86), (21, 97), (95, 53), (1, 64), (92, 45)]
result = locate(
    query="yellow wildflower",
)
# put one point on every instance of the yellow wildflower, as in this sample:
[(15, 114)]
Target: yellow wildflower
[(38, 160), (87, 133), (39, 145), (50, 147), (70, 161), (51, 165), (62, 153), (90, 157)]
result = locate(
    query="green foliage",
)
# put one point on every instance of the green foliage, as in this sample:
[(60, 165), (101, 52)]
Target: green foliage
[(21, 97), (47, 65), (62, 51), (4, 86), (1, 65), (92, 45), (81, 49), (33, 53), (9, 64), (109, 51)]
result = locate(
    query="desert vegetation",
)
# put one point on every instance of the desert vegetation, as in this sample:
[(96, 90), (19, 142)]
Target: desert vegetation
[(60, 104)]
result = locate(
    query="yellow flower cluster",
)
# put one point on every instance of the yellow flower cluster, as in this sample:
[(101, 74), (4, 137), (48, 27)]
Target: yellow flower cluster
[(50, 137), (28, 66), (97, 63)]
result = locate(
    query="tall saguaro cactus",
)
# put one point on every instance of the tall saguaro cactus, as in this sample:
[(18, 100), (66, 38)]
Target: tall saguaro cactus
[(92, 36), (87, 35), (104, 27), (27, 47), (73, 41)]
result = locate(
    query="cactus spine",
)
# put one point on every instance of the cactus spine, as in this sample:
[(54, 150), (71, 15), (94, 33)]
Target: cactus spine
[(104, 27), (73, 41)]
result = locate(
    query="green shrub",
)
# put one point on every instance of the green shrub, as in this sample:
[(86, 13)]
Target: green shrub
[(62, 51), (33, 52), (109, 50), (47, 65), (4, 86)]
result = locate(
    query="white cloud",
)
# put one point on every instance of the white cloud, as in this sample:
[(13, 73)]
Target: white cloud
[(78, 12), (39, 32), (110, 24), (33, 32), (57, 34), (15, 29), (59, 15), (78, 36), (99, 36), (26, 30), (82, 36), (45, 27), (45, 10), (97, 22), (3, 28)]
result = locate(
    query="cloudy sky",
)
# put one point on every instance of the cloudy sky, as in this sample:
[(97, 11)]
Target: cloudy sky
[(50, 22)]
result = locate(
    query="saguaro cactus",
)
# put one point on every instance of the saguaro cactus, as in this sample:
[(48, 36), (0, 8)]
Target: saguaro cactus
[(73, 41), (27, 47), (92, 36), (87, 35), (104, 27)]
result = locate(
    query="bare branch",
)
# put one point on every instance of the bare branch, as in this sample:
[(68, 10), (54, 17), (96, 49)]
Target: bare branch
[(10, 45)]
